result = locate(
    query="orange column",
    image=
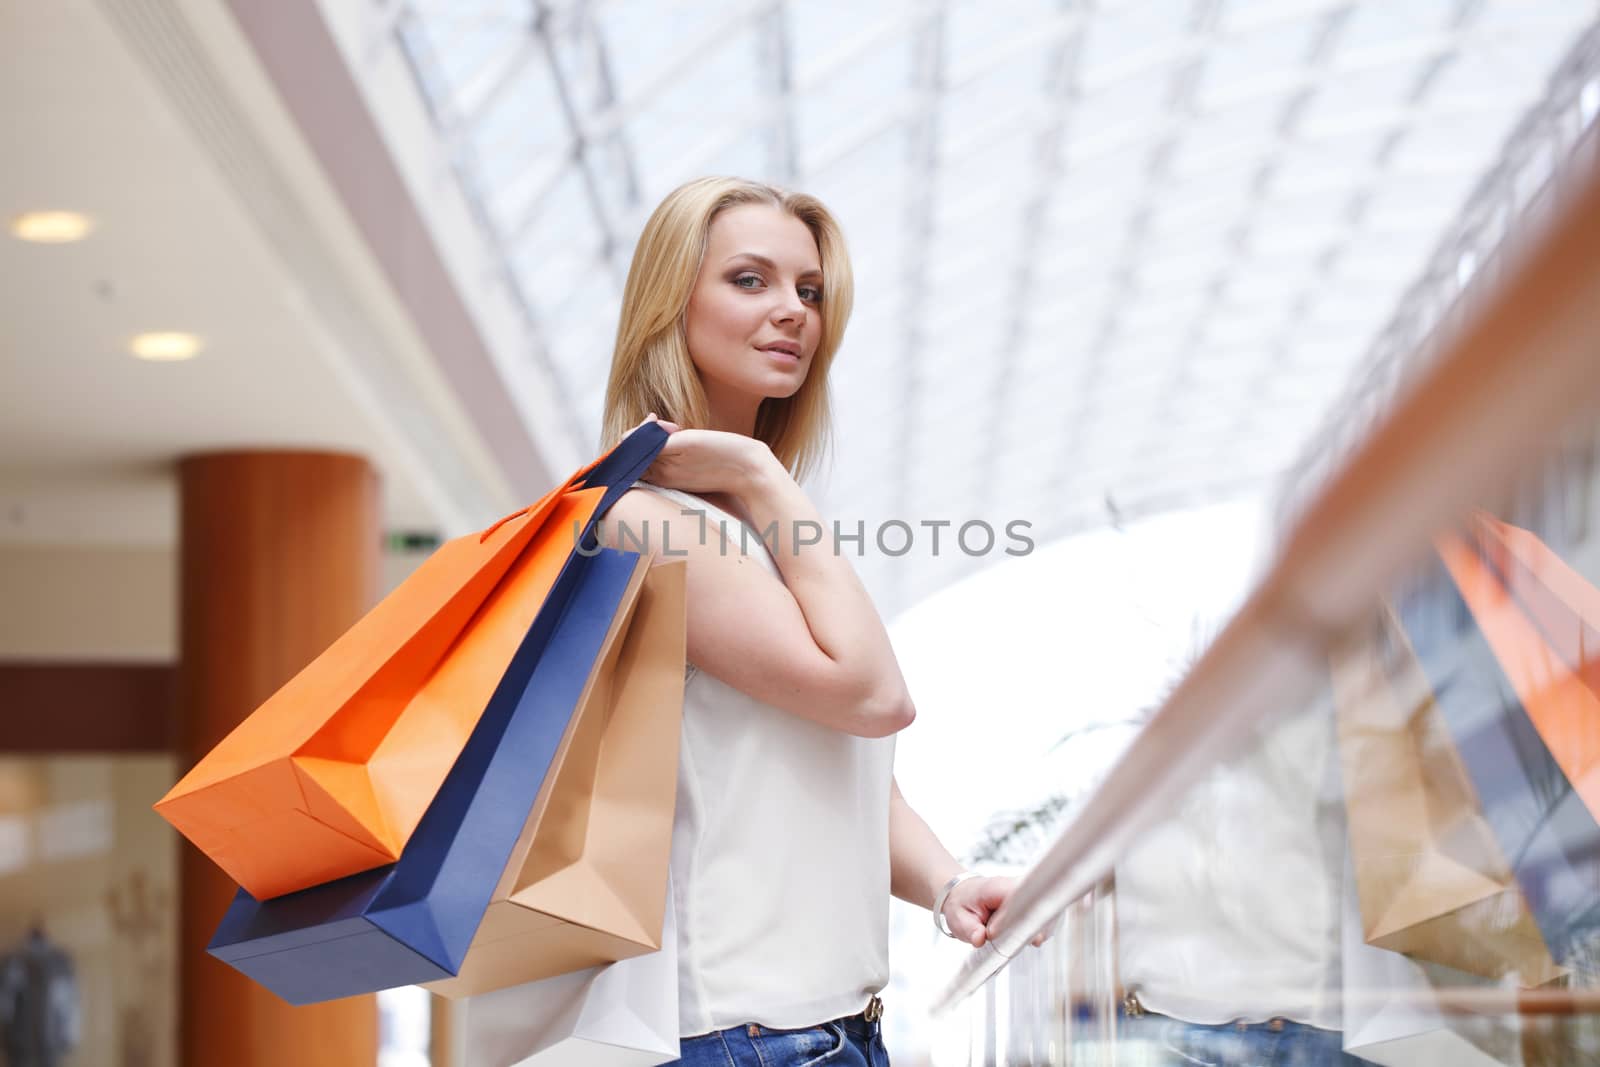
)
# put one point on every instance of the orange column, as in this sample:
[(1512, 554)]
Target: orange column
[(280, 555)]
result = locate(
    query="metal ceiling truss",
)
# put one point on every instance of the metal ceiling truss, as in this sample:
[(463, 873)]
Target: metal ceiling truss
[(1050, 151), (686, 57), (853, 49), (783, 141), (1192, 336), (463, 160), (567, 92), (1467, 258), (922, 180), (1153, 236), (1203, 20), (1355, 217)]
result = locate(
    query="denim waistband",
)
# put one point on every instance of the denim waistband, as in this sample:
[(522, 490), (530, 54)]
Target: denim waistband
[(864, 1024), (1129, 1010)]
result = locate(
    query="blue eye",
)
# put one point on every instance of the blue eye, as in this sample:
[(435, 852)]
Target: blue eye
[(810, 294), (741, 279)]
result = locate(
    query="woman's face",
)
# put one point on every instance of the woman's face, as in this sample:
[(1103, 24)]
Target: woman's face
[(755, 312)]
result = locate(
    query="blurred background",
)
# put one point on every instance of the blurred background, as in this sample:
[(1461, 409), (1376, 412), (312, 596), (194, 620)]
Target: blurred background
[(1237, 304)]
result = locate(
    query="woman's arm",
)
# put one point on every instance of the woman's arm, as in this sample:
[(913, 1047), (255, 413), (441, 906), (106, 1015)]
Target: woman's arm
[(810, 643), (919, 867), (839, 614)]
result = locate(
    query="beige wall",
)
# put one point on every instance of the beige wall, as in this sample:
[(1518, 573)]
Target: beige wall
[(103, 603), (88, 603)]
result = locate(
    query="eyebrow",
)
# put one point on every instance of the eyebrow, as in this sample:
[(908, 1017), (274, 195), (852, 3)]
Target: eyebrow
[(765, 262)]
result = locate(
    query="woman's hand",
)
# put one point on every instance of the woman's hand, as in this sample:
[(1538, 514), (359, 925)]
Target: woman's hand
[(972, 904), (708, 461)]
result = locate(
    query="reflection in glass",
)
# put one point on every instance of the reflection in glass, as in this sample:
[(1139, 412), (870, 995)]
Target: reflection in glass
[(88, 919)]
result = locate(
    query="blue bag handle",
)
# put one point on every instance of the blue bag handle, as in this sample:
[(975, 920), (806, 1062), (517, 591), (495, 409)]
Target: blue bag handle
[(617, 470), (625, 464)]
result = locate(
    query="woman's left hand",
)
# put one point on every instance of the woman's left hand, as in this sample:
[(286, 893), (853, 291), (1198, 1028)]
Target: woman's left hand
[(972, 904)]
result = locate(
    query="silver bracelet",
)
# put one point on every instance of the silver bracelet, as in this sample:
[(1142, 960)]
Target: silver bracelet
[(944, 895)]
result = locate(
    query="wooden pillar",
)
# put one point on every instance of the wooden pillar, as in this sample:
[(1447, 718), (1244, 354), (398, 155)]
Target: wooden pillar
[(280, 555)]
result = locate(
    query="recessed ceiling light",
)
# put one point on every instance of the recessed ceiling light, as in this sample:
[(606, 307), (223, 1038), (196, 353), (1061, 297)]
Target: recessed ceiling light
[(51, 227), (165, 347)]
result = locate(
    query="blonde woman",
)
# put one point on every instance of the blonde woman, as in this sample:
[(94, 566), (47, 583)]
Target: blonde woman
[(790, 832)]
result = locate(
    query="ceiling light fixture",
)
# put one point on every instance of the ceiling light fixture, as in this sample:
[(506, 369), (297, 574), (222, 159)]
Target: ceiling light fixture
[(51, 227), (165, 347)]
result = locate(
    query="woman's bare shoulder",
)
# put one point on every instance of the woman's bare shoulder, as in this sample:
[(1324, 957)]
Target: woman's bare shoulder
[(639, 502), (645, 520)]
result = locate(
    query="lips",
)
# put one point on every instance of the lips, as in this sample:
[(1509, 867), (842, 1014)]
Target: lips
[(783, 349)]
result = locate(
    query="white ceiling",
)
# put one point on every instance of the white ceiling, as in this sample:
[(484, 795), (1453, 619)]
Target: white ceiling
[(88, 434), (1113, 257)]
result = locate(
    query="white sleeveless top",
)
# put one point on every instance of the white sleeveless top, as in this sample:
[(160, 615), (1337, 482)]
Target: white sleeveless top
[(780, 853)]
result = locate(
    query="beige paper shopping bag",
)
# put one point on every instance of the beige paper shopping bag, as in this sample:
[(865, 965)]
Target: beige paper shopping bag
[(587, 882), (1393, 1012), (1431, 878), (622, 1014)]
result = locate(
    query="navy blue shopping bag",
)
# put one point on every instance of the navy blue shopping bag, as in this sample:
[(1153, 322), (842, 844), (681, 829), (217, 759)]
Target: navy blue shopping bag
[(1538, 818), (413, 921)]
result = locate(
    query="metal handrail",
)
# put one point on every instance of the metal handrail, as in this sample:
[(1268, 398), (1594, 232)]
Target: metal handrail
[(1520, 369)]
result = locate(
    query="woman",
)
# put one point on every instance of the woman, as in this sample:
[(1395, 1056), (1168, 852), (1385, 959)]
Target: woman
[(790, 831)]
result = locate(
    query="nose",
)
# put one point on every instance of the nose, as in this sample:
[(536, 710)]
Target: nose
[(789, 308)]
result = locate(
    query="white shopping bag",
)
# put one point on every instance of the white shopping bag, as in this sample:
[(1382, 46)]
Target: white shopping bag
[(1391, 1013), (623, 1014)]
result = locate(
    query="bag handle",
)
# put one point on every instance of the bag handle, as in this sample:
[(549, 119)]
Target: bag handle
[(627, 462), (617, 470)]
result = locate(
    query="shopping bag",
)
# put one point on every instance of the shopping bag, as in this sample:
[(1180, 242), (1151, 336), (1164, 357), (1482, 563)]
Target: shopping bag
[(618, 1015), (586, 883), (1391, 1009), (411, 922), (1540, 823), (1549, 647), (1431, 879), (331, 775)]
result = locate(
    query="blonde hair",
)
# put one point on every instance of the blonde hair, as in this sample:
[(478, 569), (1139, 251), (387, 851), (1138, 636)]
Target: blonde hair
[(651, 369)]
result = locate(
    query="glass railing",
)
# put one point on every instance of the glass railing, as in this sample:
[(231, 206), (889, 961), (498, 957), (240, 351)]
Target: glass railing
[(1408, 862), (1367, 823)]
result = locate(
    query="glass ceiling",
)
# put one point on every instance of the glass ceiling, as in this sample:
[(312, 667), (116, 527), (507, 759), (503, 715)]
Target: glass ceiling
[(1552, 148), (1112, 258)]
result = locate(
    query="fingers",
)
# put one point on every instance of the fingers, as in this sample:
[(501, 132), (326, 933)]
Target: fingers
[(1037, 941), (992, 892), (970, 924), (988, 894), (965, 924), (670, 427)]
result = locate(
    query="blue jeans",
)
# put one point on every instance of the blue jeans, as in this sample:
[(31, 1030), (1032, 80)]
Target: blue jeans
[(1169, 1042), (849, 1042)]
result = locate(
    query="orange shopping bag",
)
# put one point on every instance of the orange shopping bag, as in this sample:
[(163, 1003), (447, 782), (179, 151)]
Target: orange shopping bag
[(1541, 618), (331, 775)]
